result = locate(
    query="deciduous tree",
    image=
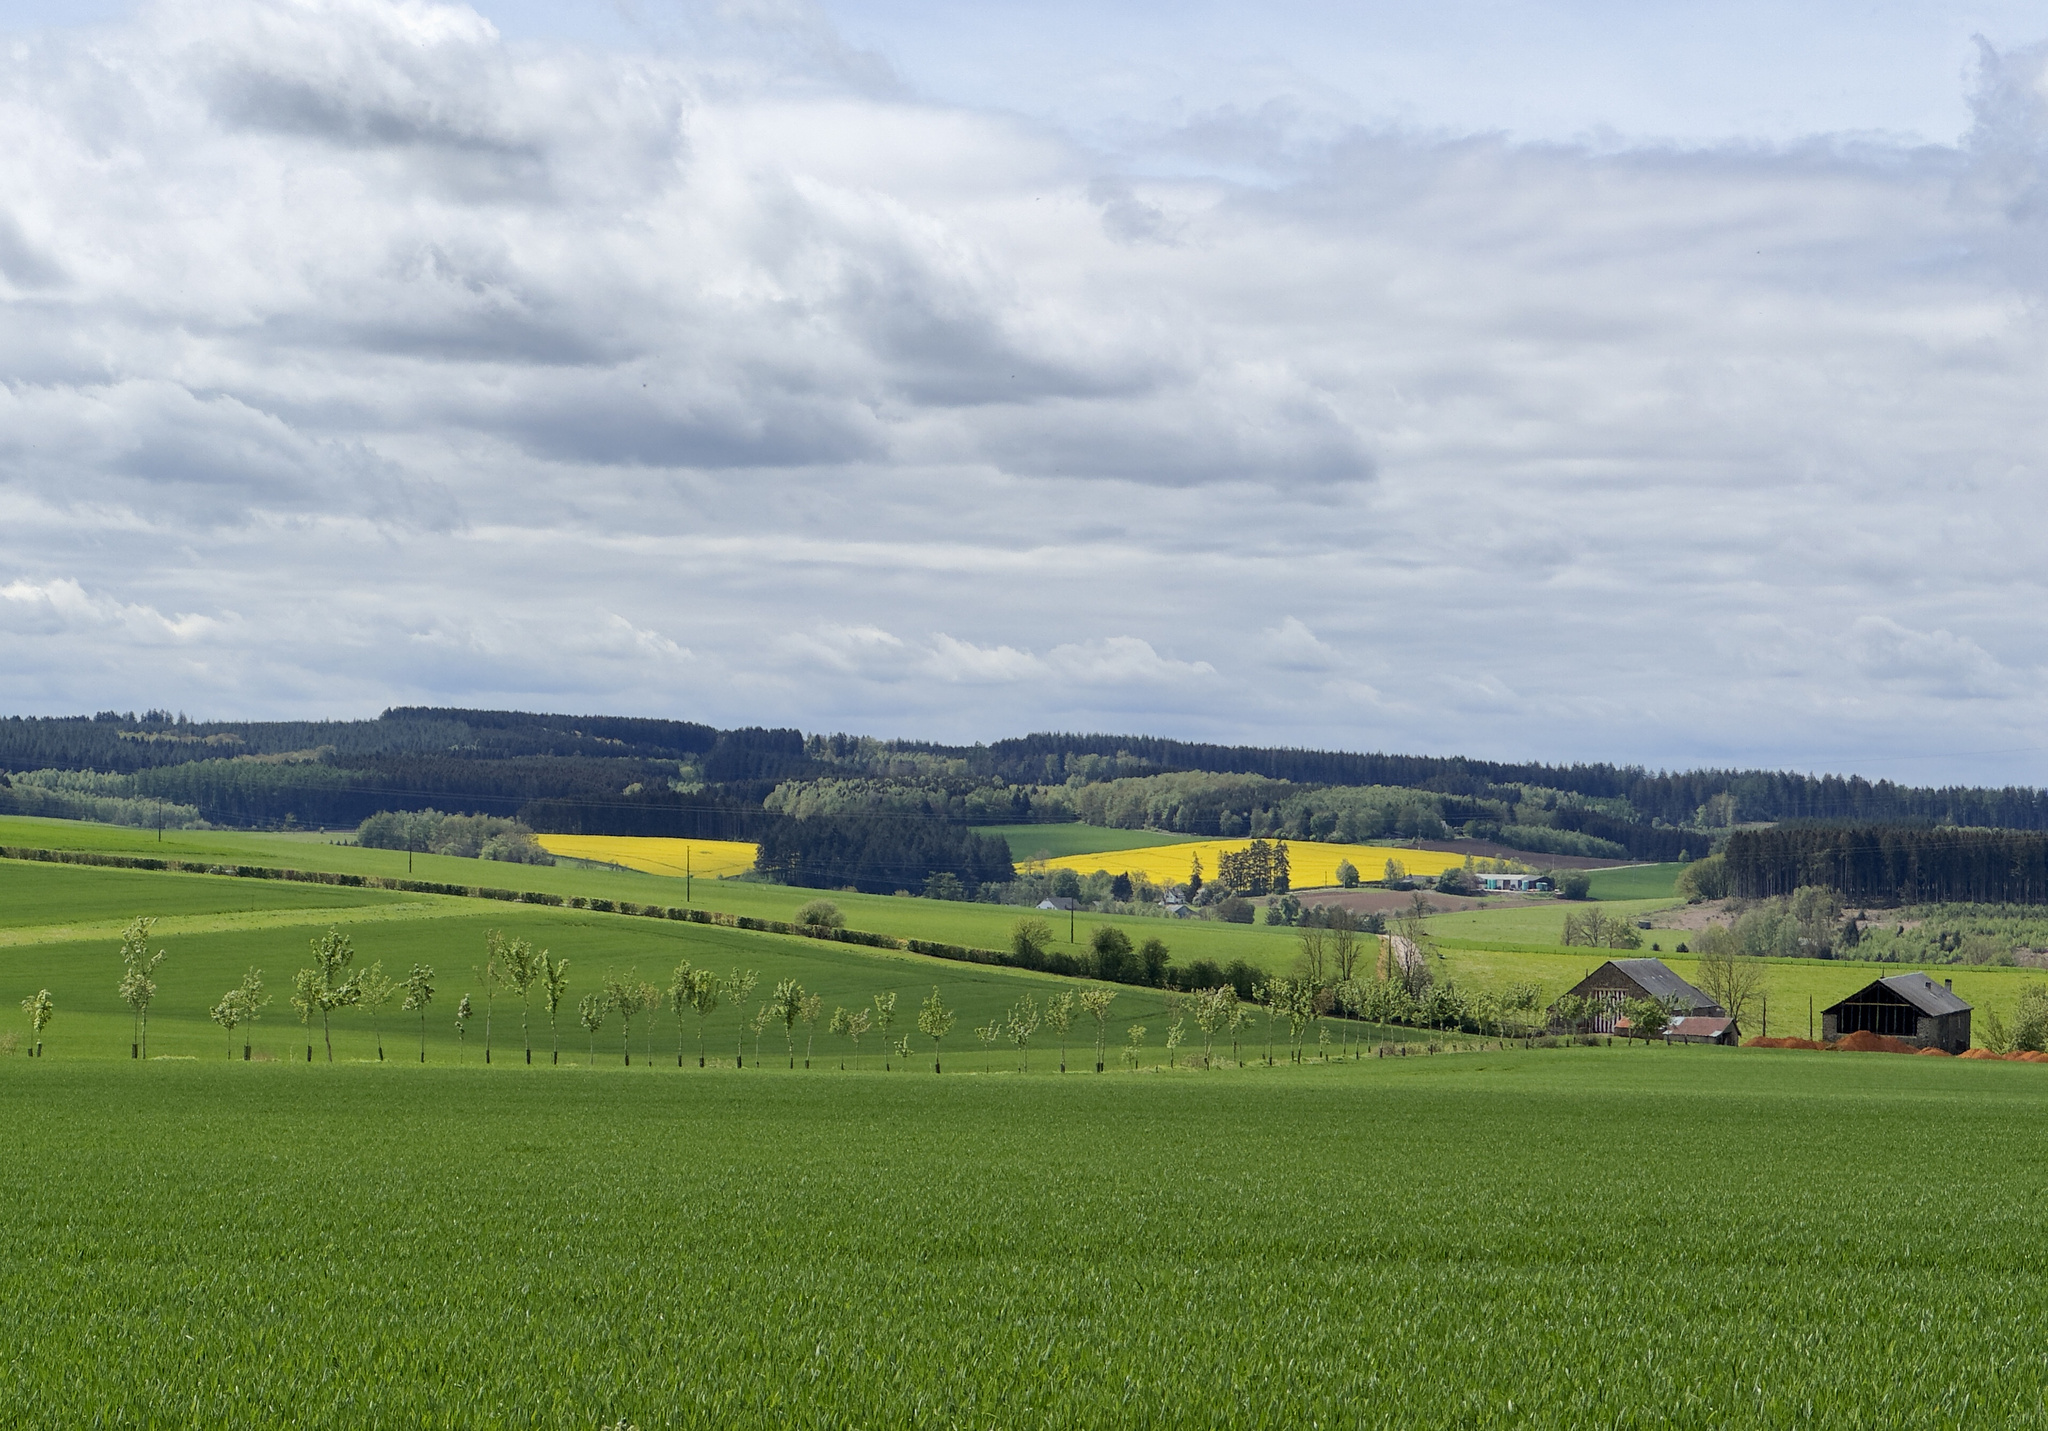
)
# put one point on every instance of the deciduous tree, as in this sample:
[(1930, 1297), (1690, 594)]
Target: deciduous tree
[(419, 992), (934, 1020), (333, 989), (704, 990), (591, 1012), (1059, 1017), (373, 992), (1096, 1002), (39, 1007), (554, 987), (137, 988), (1020, 1023), (738, 988), (812, 1006), (885, 1015), (787, 1006), (522, 965)]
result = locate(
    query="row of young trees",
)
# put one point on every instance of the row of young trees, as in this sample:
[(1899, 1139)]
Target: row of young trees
[(1333, 978)]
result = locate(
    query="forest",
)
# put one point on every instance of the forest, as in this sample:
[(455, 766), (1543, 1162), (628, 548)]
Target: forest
[(618, 775), (1890, 864)]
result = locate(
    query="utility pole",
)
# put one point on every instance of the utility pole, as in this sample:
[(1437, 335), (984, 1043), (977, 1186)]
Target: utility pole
[(686, 874)]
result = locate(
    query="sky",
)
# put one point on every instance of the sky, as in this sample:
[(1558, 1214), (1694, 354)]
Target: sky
[(1564, 382)]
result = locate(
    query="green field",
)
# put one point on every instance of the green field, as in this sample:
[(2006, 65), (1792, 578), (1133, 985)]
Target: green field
[(1535, 923), (980, 925), (1636, 882), (1607, 1237), (1058, 841)]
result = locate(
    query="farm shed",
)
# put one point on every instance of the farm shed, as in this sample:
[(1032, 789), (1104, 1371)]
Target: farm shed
[(1059, 902), (1619, 980), (1514, 883), (1911, 1007), (1703, 1030)]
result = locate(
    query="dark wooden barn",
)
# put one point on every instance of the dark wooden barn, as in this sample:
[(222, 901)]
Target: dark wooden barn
[(1911, 1007), (1619, 980)]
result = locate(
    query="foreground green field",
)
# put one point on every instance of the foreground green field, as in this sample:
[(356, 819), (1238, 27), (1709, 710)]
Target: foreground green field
[(1624, 1238)]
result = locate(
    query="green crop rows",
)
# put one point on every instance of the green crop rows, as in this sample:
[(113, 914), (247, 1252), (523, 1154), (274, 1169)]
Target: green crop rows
[(1546, 1238)]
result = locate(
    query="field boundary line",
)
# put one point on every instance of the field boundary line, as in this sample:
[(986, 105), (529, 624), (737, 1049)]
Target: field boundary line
[(234, 921)]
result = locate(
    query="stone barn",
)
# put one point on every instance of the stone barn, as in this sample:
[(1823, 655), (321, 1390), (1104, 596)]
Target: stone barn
[(1619, 980), (1911, 1007)]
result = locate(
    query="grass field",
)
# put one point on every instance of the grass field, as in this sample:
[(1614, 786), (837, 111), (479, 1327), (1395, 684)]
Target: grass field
[(1636, 882), (982, 925), (1026, 841), (1311, 863), (1608, 1237)]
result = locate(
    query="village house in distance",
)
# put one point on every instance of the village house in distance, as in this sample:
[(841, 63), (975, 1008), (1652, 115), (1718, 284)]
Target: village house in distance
[(1909, 1007)]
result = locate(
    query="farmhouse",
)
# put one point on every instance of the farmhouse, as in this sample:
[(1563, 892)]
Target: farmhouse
[(1619, 980), (1059, 902), (1911, 1007)]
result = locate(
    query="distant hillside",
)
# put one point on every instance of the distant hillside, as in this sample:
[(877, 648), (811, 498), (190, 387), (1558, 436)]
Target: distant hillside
[(622, 775)]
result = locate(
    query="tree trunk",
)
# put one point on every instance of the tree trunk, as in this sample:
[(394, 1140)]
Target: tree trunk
[(327, 1033)]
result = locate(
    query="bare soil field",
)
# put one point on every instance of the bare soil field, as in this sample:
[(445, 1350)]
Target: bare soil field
[(1396, 901)]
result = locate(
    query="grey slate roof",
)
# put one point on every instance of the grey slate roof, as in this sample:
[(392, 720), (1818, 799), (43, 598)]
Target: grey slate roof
[(1660, 983), (1920, 991)]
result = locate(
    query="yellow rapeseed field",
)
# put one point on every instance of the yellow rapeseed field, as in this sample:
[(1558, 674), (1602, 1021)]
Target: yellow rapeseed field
[(1309, 863), (655, 856)]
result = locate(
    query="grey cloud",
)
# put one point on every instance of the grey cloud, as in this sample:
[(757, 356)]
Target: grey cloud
[(425, 367), (24, 264)]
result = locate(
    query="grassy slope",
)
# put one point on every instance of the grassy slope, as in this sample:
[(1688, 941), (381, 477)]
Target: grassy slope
[(37, 894), (216, 937), (1322, 1246), (1636, 882), (983, 925), (1534, 923), (1026, 841)]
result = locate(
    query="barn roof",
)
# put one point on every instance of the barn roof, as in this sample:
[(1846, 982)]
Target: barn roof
[(1918, 990), (1698, 1026), (1659, 982)]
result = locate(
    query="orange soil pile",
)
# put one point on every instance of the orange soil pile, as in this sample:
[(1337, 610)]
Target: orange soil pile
[(1978, 1053), (1761, 1042), (1863, 1041), (1935, 1053)]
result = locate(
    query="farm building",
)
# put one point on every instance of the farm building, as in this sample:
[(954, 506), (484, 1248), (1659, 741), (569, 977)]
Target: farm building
[(1911, 1007), (1703, 1030), (1059, 902), (1514, 883), (1619, 980)]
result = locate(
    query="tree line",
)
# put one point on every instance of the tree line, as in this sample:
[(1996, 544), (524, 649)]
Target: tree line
[(1890, 864), (877, 855)]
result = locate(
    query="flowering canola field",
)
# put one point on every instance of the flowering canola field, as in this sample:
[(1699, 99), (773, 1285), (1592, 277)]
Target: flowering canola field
[(656, 856), (1309, 863)]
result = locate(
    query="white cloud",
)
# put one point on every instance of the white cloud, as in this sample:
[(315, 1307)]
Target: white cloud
[(427, 366)]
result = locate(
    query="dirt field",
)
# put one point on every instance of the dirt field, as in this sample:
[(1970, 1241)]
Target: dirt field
[(1395, 901)]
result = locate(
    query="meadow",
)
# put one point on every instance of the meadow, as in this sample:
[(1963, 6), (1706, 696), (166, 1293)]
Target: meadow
[(1027, 842), (1550, 1238)]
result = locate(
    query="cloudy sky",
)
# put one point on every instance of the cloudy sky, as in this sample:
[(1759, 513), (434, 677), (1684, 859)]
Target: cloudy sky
[(1563, 381)]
